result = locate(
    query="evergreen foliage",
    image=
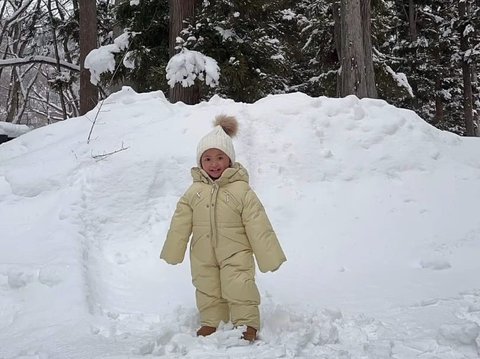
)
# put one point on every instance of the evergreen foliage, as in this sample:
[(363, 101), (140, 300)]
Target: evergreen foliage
[(245, 38), (149, 48), (267, 47)]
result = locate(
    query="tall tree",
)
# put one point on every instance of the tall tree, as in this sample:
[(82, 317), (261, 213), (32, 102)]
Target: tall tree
[(365, 6), (353, 75), (149, 20), (180, 12), (412, 19), (88, 42), (464, 29), (252, 42)]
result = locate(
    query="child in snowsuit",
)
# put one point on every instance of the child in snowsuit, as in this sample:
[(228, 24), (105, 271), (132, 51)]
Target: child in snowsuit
[(229, 226)]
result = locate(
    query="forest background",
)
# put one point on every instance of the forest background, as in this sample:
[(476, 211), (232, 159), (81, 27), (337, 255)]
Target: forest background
[(415, 54)]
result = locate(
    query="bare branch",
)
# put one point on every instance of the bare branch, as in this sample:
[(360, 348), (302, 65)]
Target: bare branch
[(38, 59), (102, 156)]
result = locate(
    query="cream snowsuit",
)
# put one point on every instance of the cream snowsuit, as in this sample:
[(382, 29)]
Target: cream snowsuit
[(229, 225)]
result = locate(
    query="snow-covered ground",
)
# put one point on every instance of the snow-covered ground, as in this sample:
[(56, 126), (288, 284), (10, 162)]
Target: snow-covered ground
[(13, 130), (378, 214)]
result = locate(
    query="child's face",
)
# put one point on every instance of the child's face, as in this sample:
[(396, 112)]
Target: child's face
[(214, 162)]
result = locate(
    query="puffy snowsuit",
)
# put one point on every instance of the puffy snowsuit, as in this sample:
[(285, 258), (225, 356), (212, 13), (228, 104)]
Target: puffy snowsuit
[(229, 225)]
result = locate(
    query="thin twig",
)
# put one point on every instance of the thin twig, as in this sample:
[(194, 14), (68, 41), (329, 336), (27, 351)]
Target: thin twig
[(109, 84), (104, 155)]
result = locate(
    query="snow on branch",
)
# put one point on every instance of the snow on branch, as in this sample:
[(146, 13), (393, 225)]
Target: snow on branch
[(188, 65), (401, 79), (37, 59), (102, 59), (19, 11)]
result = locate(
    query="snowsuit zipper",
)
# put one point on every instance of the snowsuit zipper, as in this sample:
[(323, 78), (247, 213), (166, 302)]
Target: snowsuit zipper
[(213, 214)]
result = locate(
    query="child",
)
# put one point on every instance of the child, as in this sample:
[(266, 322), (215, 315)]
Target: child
[(229, 226)]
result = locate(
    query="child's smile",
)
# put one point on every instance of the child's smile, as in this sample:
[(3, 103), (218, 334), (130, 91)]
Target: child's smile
[(214, 162)]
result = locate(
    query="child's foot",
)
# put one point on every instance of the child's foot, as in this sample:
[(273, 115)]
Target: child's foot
[(250, 334), (205, 330)]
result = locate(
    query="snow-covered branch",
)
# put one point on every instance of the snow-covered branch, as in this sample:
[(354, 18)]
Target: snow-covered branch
[(189, 65), (102, 60), (38, 59), (400, 78)]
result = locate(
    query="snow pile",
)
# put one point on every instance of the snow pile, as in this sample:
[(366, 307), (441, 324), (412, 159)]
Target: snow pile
[(376, 210), (13, 130)]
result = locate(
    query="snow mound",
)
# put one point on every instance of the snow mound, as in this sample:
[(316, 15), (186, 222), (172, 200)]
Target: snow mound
[(376, 210)]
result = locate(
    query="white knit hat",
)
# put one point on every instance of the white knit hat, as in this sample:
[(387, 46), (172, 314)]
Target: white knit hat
[(220, 137)]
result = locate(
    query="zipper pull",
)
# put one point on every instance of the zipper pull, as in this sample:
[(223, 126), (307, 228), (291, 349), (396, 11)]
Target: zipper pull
[(214, 187)]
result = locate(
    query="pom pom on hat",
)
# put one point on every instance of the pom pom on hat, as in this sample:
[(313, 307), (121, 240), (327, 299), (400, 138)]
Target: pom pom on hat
[(228, 123), (225, 127)]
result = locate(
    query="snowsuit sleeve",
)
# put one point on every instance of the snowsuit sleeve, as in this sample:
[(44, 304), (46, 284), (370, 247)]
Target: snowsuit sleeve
[(262, 238), (178, 235)]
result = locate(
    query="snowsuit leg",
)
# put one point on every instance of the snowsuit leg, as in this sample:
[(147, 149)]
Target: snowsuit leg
[(206, 279), (237, 277)]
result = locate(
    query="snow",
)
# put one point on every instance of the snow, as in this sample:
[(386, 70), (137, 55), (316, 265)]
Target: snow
[(102, 60), (227, 34), (468, 30), (183, 68), (401, 79), (377, 212), (188, 65), (13, 130), (288, 14)]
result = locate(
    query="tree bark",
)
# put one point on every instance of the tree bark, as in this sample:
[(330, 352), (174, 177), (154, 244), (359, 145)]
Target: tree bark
[(88, 42), (412, 20), (57, 57), (337, 29), (367, 48), (181, 10), (466, 72), (13, 94), (353, 81), (439, 106)]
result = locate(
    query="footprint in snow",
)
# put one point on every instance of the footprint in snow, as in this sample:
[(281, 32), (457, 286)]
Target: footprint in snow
[(435, 264)]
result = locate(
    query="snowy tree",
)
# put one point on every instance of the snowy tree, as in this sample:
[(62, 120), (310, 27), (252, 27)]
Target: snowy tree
[(181, 11), (467, 53), (149, 52), (245, 39), (88, 42), (357, 75), (40, 58), (187, 66), (309, 31), (431, 57)]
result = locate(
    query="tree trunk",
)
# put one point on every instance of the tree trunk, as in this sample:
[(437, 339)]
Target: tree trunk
[(439, 100), (467, 74), (13, 94), (412, 20), (57, 57), (476, 100), (88, 42), (439, 106), (337, 30), (181, 10), (367, 47), (353, 80)]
